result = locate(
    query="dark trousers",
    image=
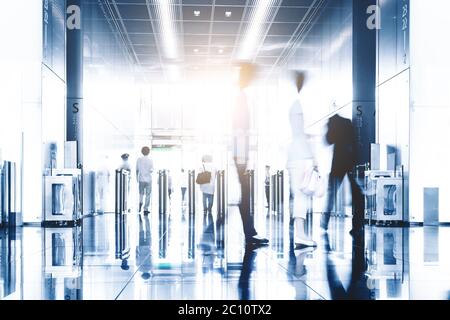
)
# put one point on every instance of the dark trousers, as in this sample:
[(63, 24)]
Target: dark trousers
[(267, 188), (244, 206), (334, 184), (208, 201)]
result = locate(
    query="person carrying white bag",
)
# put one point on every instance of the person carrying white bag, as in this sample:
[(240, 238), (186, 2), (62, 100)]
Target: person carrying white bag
[(303, 175)]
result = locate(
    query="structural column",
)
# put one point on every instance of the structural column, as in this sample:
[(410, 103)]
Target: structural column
[(74, 69), (364, 77)]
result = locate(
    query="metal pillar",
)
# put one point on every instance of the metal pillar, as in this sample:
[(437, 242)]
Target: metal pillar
[(121, 210), (163, 191), (8, 194), (221, 210), (274, 193), (280, 192), (121, 192), (364, 80), (74, 71), (251, 187), (191, 204)]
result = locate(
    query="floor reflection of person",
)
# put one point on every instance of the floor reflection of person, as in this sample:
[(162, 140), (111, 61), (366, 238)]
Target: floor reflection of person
[(144, 248), (296, 267), (208, 240), (341, 134), (241, 149), (358, 288), (300, 158), (247, 269), (297, 271), (208, 243)]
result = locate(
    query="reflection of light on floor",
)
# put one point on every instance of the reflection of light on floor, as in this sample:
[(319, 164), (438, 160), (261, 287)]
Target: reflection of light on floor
[(402, 263)]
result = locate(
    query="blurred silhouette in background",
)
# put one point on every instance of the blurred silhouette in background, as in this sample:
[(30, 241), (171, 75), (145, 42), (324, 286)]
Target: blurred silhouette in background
[(300, 158), (241, 137), (341, 134)]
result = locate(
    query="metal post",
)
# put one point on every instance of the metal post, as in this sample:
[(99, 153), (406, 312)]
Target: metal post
[(191, 200), (163, 218), (8, 210), (274, 192), (74, 71), (118, 192), (251, 185), (1, 194), (221, 207), (221, 210), (163, 194), (280, 191), (191, 192)]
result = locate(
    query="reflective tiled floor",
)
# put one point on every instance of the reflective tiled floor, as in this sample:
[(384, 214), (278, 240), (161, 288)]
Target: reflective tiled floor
[(174, 256)]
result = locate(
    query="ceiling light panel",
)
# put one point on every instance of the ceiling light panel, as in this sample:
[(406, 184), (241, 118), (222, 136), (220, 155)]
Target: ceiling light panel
[(166, 16), (222, 14), (260, 16)]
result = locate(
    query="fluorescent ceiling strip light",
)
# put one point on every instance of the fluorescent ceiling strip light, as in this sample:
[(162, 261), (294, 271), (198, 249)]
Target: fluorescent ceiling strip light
[(253, 33), (167, 29)]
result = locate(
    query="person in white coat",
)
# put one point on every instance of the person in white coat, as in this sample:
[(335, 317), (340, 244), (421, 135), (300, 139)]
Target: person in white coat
[(208, 189), (300, 158)]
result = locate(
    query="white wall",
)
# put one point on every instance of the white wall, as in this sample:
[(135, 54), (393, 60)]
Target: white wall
[(430, 104), (20, 85)]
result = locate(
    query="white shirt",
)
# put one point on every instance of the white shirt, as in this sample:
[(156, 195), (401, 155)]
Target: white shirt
[(210, 187), (184, 179), (125, 166), (299, 148), (144, 169)]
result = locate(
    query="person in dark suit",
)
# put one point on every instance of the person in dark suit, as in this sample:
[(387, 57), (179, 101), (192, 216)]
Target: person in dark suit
[(241, 149), (341, 134)]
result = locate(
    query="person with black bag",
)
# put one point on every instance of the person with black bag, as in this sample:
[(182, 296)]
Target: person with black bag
[(207, 181)]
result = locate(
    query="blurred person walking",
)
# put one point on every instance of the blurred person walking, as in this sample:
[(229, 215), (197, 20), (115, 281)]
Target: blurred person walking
[(341, 134), (300, 159), (241, 130)]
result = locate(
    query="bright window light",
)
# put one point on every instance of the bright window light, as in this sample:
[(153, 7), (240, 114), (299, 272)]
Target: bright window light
[(253, 33), (167, 29)]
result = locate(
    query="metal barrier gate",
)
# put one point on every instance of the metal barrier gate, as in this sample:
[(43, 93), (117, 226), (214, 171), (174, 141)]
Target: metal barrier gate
[(8, 194), (278, 192), (191, 212), (121, 210), (221, 211)]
